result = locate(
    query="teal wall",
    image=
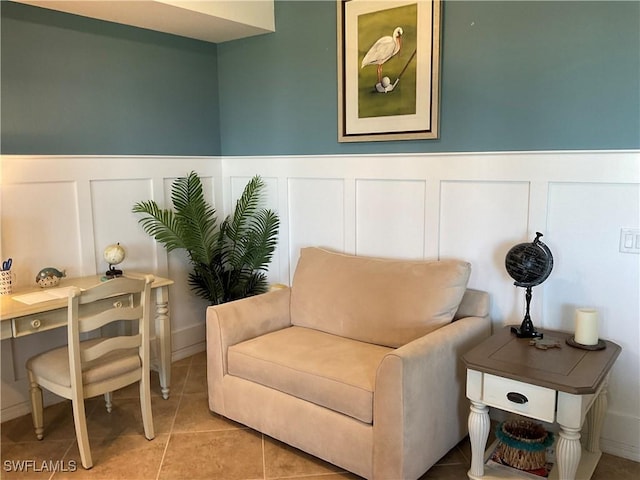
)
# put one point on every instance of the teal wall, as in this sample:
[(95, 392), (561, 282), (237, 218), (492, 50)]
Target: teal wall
[(515, 76), (72, 85)]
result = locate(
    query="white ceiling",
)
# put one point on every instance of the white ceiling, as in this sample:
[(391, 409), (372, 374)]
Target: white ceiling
[(211, 21)]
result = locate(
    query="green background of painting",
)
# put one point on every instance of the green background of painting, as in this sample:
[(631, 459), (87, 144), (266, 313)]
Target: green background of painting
[(402, 100)]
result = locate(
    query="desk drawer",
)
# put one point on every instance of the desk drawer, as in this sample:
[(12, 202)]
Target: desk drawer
[(518, 397), (39, 322)]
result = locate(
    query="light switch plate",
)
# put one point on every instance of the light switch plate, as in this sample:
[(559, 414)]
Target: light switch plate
[(630, 240)]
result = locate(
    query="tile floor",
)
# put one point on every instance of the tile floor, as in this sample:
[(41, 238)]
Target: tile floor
[(191, 443)]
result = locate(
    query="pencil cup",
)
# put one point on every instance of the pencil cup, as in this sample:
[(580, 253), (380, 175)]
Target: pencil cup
[(6, 282)]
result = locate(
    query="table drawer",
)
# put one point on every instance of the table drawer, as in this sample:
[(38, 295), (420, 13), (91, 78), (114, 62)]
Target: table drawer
[(39, 322), (518, 397)]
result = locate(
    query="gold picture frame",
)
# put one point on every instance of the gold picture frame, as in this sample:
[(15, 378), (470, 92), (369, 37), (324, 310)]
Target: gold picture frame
[(388, 69)]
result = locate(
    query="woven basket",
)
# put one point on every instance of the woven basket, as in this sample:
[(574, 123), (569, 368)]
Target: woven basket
[(522, 444)]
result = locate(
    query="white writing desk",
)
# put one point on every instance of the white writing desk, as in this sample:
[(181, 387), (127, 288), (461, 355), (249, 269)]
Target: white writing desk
[(18, 319)]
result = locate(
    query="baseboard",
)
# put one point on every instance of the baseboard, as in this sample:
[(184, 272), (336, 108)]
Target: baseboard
[(24, 408), (14, 411), (618, 449), (188, 351), (188, 341), (620, 435)]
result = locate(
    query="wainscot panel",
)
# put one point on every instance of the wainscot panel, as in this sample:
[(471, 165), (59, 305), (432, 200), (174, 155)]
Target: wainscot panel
[(62, 211), (476, 206)]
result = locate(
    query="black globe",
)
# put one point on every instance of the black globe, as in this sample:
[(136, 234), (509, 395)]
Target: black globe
[(529, 264)]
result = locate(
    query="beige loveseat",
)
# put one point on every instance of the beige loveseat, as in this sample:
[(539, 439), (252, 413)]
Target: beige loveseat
[(357, 363)]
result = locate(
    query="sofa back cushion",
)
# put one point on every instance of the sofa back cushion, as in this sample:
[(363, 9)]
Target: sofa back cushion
[(381, 301)]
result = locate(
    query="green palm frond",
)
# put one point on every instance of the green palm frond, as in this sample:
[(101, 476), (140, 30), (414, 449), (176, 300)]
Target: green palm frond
[(246, 207), (230, 260), (246, 284), (207, 284), (261, 240), (197, 217), (161, 225), (239, 224)]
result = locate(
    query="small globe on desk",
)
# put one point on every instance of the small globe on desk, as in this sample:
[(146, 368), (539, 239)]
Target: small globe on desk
[(529, 264), (114, 254)]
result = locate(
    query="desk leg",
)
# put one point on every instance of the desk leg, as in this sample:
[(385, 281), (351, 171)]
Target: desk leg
[(568, 452), (595, 419), (163, 333), (479, 424)]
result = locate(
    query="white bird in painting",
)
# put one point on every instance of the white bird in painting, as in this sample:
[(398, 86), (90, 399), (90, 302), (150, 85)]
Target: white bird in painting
[(381, 51)]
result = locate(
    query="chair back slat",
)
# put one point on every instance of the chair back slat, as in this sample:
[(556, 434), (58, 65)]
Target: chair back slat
[(112, 288), (114, 314), (102, 364), (138, 290), (109, 345)]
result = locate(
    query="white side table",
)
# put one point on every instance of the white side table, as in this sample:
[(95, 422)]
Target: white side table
[(565, 385)]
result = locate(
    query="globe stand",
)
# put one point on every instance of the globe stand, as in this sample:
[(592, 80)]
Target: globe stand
[(529, 264), (113, 272), (526, 330)]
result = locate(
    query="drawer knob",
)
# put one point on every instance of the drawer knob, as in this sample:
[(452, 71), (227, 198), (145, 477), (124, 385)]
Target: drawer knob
[(35, 323), (516, 397)]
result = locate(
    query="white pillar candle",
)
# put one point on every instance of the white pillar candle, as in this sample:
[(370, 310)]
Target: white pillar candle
[(586, 326)]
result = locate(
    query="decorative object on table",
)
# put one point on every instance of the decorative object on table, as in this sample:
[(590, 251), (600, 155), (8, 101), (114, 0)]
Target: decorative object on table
[(546, 343), (522, 444), (6, 265), (229, 261), (6, 277), (114, 254), (586, 330), (529, 264), (601, 345), (49, 277)]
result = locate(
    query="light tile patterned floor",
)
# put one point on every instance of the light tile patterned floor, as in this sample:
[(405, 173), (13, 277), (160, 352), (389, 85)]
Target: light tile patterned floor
[(191, 443)]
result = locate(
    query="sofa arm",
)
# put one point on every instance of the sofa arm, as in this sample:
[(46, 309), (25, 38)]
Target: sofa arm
[(474, 303), (234, 322), (419, 399)]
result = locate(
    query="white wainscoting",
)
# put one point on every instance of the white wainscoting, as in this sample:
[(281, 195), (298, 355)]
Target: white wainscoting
[(476, 207), (62, 211)]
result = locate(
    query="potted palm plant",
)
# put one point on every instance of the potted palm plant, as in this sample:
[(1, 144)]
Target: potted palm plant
[(229, 260)]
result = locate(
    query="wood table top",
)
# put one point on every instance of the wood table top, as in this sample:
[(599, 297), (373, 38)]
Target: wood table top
[(567, 369), (12, 308)]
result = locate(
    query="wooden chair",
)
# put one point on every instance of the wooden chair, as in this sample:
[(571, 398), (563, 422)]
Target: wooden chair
[(85, 369)]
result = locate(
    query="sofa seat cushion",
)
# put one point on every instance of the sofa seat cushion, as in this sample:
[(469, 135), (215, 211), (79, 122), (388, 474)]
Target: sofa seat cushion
[(384, 301), (334, 372)]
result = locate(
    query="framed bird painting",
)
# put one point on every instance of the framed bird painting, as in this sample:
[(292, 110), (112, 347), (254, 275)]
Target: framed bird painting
[(388, 69)]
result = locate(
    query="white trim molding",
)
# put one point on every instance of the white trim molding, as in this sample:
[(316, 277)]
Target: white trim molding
[(473, 206)]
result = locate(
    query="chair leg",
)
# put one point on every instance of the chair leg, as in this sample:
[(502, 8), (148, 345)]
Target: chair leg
[(82, 436), (107, 401), (145, 407), (35, 392)]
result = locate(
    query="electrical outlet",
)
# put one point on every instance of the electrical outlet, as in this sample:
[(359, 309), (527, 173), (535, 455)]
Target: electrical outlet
[(630, 240)]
